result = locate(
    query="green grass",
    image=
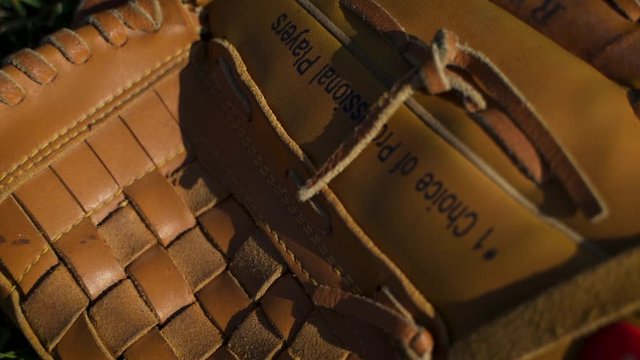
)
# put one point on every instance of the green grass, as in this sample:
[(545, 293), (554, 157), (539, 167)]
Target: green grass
[(22, 24)]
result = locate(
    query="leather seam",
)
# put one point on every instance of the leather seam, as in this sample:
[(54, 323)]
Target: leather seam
[(277, 188), (15, 171), (260, 218), (274, 234), (104, 202), (213, 88), (291, 208)]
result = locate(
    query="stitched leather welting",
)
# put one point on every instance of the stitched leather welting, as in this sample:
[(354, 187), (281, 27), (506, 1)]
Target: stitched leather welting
[(145, 15)]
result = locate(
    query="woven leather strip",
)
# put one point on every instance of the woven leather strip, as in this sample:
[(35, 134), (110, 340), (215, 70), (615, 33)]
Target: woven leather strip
[(198, 288)]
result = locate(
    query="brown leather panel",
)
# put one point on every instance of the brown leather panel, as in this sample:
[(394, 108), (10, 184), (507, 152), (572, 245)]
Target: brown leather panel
[(119, 151), (10, 91), (151, 346), (350, 331), (155, 129), (617, 60), (149, 24), (21, 245), (110, 27), (126, 234), (86, 178), (198, 190), (102, 212), (573, 24), (72, 47), (121, 317), (255, 338), (630, 8), (229, 225), (225, 301), (50, 203), (223, 353), (196, 258), (90, 259), (160, 281), (145, 57), (316, 341), (81, 342), (34, 65), (168, 89), (287, 306), (256, 265), (163, 210), (40, 266), (191, 334), (51, 311)]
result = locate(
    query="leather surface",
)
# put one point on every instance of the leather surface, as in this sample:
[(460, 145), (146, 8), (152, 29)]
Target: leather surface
[(571, 24), (416, 244), (148, 186), (421, 242), (117, 239)]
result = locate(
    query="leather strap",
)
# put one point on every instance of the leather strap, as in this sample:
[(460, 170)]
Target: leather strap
[(631, 8), (437, 77)]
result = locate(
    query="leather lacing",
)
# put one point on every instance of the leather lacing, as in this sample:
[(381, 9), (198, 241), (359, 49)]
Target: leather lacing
[(388, 314), (487, 95), (113, 26), (630, 8)]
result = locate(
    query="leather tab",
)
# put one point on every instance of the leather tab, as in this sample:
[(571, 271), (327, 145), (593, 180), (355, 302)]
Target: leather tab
[(81, 342), (158, 278), (126, 234), (72, 46), (287, 306), (191, 334), (255, 338), (142, 15), (256, 265), (24, 253), (10, 92), (90, 259), (110, 27), (229, 224), (119, 151), (49, 202), (34, 65), (50, 310), (225, 301), (162, 209), (631, 8), (151, 346), (121, 317), (196, 258)]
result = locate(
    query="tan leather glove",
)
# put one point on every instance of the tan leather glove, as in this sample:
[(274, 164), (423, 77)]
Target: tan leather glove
[(314, 179), (116, 239)]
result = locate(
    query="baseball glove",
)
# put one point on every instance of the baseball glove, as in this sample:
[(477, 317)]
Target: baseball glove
[(321, 179)]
